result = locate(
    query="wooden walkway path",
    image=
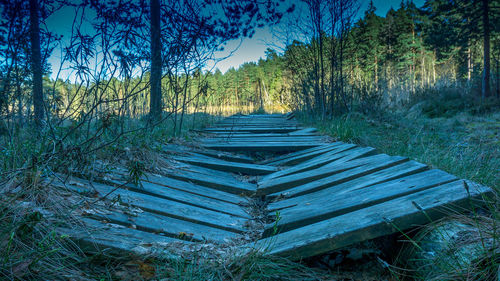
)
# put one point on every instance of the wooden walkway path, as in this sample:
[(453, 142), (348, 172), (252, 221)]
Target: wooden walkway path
[(320, 195)]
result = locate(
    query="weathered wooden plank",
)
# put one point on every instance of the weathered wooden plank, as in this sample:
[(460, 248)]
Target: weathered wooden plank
[(262, 146), (163, 207), (322, 208), (183, 197), (344, 176), (323, 159), (98, 237), (255, 130), (225, 156), (305, 131), (229, 185), (375, 221), (184, 166), (277, 161), (268, 139), (292, 181), (303, 157), (194, 189), (166, 226), (226, 166), (253, 124), (250, 135), (394, 172)]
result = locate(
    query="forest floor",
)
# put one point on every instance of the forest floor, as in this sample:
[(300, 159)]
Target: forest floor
[(463, 144)]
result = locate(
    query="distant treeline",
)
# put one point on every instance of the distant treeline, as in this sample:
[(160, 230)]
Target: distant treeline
[(377, 60), (341, 62)]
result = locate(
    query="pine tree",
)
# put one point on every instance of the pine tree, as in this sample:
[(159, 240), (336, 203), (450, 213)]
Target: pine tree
[(36, 62)]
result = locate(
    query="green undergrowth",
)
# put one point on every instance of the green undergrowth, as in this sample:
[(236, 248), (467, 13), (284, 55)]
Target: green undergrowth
[(74, 144)]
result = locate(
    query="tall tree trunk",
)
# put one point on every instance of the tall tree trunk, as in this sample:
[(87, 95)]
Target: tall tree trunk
[(376, 71), (469, 62), (155, 77), (36, 62), (486, 39)]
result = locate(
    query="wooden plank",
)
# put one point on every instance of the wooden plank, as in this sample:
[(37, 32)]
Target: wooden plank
[(321, 208), (186, 186), (163, 206), (165, 226), (254, 130), (375, 221), (229, 185), (268, 139), (250, 135), (98, 237), (184, 166), (344, 176), (301, 157), (291, 181), (276, 161), (305, 131), (225, 156), (394, 172), (318, 161), (183, 197), (262, 146), (254, 124), (226, 166), (194, 189)]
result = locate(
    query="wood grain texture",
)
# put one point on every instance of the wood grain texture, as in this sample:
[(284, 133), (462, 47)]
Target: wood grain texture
[(378, 220)]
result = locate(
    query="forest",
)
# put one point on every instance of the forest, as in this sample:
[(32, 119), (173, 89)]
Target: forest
[(85, 85)]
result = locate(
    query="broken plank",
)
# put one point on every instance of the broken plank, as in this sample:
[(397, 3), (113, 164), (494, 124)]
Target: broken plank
[(320, 160), (225, 156), (166, 226), (226, 166), (305, 131), (300, 158), (163, 206), (280, 160), (98, 238), (263, 139), (390, 173), (184, 166), (194, 189), (318, 208), (250, 135), (183, 197), (262, 146), (354, 172), (382, 219), (253, 130), (230, 185), (291, 181)]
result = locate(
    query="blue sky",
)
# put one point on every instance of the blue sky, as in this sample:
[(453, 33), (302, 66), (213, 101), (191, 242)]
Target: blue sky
[(244, 50)]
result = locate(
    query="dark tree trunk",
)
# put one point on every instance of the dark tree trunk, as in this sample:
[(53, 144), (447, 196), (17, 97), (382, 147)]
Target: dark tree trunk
[(155, 78), (486, 38), (36, 62)]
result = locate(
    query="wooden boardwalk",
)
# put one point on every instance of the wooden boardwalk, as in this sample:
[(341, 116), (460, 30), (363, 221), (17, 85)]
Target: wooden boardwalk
[(321, 195)]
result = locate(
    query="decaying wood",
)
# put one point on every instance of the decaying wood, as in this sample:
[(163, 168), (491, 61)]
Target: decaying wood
[(323, 196)]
